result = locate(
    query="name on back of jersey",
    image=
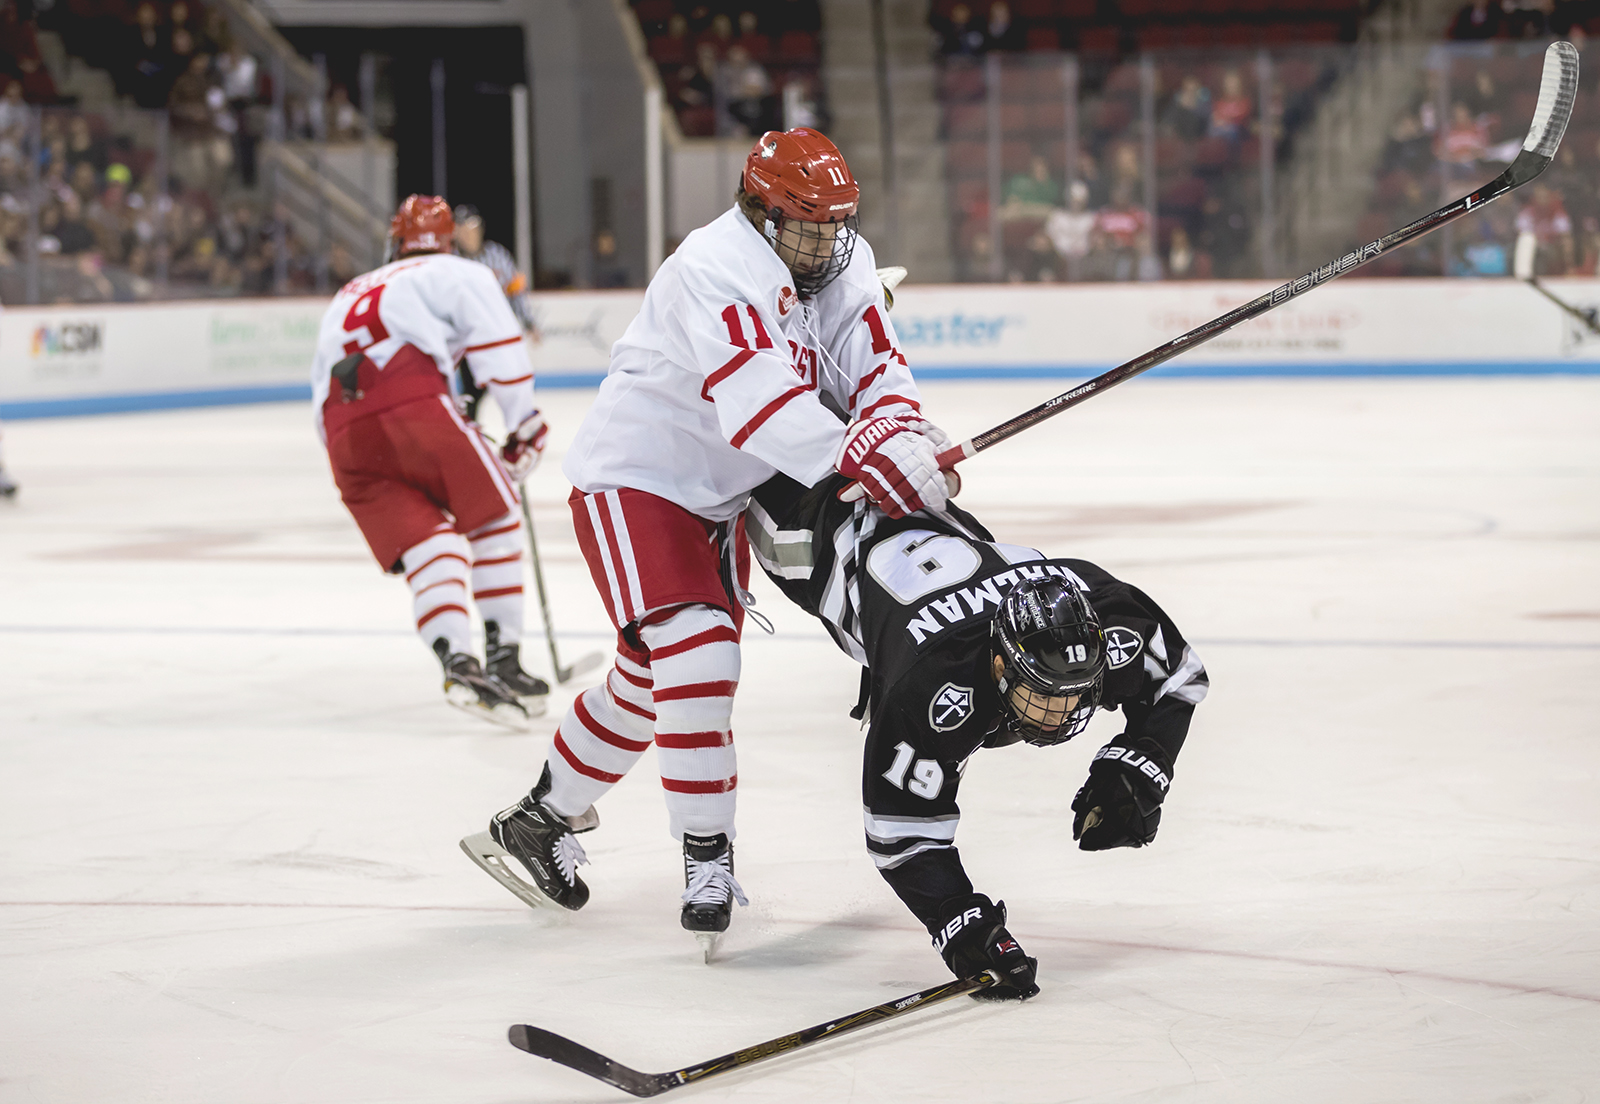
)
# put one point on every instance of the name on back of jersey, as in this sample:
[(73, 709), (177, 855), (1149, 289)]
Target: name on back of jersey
[(965, 603)]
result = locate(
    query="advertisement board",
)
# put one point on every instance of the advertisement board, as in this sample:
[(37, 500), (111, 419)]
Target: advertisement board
[(98, 358)]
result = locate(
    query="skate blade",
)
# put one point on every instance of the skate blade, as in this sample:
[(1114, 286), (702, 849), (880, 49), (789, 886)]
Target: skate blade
[(708, 944), (494, 861), (505, 714), (537, 705)]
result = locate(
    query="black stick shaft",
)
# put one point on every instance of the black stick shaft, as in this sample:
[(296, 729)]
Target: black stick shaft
[(538, 582), (1525, 168), (856, 1020), (1586, 317)]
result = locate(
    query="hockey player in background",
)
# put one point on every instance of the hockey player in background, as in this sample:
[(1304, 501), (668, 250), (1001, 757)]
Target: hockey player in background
[(967, 644), (763, 346), (471, 244), (434, 501)]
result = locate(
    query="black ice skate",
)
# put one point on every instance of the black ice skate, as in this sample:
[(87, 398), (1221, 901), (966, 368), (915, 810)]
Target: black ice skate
[(8, 486), (710, 889), (505, 664), (470, 690), (543, 842)]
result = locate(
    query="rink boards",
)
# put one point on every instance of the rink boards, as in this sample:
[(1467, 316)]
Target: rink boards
[(101, 358)]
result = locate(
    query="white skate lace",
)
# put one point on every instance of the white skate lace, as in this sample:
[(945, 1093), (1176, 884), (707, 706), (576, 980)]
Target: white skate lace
[(570, 856), (712, 883)]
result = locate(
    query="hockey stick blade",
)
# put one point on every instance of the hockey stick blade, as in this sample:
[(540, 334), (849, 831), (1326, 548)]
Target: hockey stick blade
[(547, 1044), (1558, 88)]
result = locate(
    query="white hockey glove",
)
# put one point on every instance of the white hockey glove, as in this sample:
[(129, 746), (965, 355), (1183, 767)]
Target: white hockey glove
[(893, 465), (941, 443), (524, 446)]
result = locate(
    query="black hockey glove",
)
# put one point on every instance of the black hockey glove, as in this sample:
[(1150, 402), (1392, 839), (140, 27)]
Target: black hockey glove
[(973, 938), (1120, 804)]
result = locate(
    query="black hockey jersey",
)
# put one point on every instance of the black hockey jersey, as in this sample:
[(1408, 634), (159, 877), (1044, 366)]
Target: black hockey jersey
[(913, 600)]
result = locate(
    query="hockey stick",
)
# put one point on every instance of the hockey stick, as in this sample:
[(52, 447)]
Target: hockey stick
[(585, 663), (1557, 89), (547, 1044), (1522, 269)]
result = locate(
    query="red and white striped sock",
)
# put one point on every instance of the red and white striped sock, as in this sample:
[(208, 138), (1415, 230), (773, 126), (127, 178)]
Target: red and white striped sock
[(497, 574), (436, 571), (694, 656), (602, 736)]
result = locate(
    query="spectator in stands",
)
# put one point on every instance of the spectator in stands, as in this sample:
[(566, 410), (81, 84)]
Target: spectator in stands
[(1002, 32), (749, 93), (1183, 262), (958, 37), (72, 233), (148, 74), (1545, 217), (239, 75), (344, 122), (1123, 228), (181, 42), (756, 44), (1032, 194), (19, 51), (202, 153), (1232, 110), (1479, 19), (1070, 229), (1189, 114), (1465, 141), (14, 114)]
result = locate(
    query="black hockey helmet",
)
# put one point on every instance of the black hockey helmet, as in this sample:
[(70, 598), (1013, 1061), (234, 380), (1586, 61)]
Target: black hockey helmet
[(1050, 645)]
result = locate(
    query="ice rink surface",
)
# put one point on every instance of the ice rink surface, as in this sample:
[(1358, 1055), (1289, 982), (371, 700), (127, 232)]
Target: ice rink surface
[(231, 792)]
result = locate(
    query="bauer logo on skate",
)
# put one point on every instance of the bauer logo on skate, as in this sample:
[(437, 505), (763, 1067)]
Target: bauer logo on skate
[(967, 602)]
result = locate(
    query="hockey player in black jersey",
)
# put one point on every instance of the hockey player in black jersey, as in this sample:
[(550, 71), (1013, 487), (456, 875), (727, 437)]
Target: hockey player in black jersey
[(968, 643)]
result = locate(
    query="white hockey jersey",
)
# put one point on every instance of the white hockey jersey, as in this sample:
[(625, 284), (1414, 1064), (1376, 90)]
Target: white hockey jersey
[(718, 383), (448, 307)]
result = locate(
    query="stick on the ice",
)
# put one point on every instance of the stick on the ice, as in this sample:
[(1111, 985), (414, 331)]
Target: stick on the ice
[(1522, 269), (586, 663), (1557, 89), (547, 1044)]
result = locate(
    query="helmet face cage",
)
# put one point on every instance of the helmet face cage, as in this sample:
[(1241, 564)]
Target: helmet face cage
[(816, 252), (1051, 648)]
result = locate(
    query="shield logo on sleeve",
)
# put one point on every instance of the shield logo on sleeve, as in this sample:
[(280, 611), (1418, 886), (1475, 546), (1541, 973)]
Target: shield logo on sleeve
[(950, 707)]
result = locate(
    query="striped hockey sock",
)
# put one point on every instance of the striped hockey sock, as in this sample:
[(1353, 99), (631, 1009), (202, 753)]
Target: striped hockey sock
[(602, 736), (694, 656), (497, 574), (436, 571)]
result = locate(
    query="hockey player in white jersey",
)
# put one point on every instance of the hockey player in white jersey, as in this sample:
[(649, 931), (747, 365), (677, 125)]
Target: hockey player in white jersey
[(433, 499), (763, 346)]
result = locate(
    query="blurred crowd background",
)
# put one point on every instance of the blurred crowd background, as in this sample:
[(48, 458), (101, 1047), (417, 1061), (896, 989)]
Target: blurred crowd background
[(1081, 140)]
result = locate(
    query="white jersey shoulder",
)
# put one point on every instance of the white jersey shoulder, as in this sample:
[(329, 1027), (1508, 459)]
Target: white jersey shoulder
[(444, 305)]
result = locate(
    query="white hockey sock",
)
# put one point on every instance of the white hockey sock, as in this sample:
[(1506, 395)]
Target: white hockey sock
[(497, 574), (600, 739), (436, 571), (694, 656)]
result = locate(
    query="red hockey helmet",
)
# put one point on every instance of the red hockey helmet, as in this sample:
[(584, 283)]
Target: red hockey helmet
[(423, 224), (811, 200), (799, 174)]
